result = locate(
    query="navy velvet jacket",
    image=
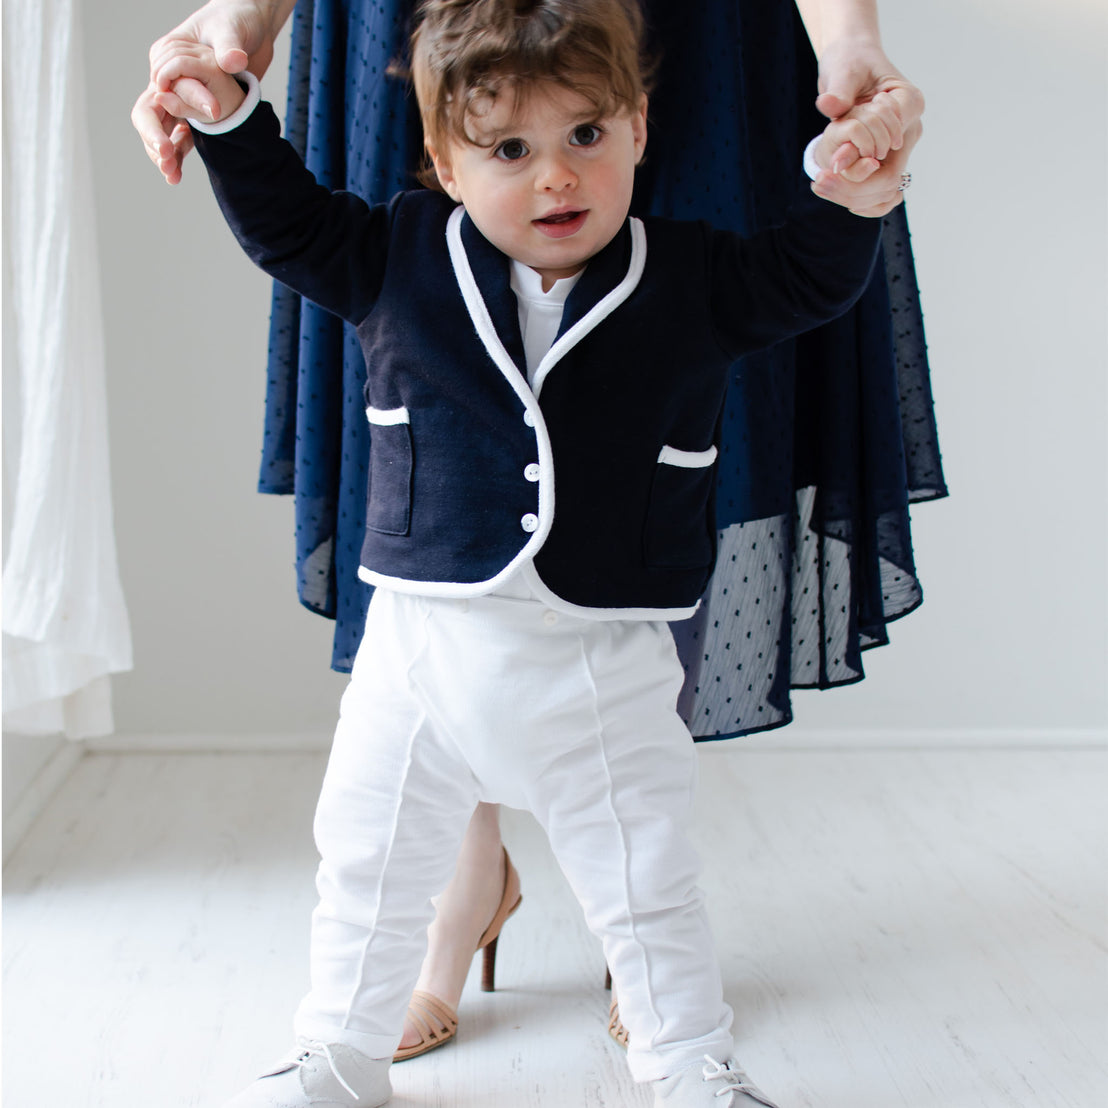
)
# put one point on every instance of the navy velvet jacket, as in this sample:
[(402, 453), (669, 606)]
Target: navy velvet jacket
[(600, 477)]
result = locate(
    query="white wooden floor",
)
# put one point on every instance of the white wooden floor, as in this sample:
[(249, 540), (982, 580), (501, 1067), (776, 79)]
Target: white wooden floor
[(897, 928)]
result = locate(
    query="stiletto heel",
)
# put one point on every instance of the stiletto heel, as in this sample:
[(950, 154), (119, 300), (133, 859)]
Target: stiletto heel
[(488, 969), (436, 1022), (510, 900)]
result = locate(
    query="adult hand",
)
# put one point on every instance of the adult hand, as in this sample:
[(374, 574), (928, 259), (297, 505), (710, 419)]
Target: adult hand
[(868, 187), (242, 33), (853, 74)]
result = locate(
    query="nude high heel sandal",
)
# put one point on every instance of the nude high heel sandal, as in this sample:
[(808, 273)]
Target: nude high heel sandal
[(510, 900), (615, 1025), (437, 1022)]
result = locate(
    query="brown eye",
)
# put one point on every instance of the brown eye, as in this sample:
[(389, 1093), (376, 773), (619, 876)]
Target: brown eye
[(511, 150), (587, 134)]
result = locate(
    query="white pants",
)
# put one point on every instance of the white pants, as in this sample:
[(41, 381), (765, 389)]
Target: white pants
[(452, 702)]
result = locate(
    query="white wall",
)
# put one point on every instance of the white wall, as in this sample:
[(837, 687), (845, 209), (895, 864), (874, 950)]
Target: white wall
[(1008, 223), (221, 643)]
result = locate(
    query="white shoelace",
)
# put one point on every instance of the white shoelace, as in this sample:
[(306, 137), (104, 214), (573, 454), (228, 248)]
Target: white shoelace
[(737, 1081), (320, 1050)]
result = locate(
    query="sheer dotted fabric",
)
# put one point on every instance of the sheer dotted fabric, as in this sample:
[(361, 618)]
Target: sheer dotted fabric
[(781, 614), (356, 129), (826, 441)]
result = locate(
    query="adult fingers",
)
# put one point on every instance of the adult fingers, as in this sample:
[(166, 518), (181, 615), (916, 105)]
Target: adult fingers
[(909, 100), (833, 105), (239, 38), (230, 53), (166, 140), (866, 199), (172, 167), (859, 170), (875, 195), (851, 73), (846, 160), (845, 77), (874, 127), (150, 122), (883, 111)]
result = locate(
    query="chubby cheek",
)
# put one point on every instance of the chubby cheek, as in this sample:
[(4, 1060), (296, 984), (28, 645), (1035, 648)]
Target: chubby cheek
[(620, 188), (506, 202), (501, 225), (501, 213)]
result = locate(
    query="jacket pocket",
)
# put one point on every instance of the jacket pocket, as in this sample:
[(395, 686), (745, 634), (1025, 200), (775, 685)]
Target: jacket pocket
[(678, 530), (389, 504)]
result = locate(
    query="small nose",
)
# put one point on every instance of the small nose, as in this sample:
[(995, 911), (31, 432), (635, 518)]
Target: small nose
[(555, 176)]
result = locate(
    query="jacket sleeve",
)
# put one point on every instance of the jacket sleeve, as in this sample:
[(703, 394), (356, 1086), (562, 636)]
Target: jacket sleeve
[(789, 279), (328, 246)]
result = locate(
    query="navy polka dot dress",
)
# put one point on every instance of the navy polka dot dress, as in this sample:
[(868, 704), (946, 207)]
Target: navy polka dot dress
[(827, 439)]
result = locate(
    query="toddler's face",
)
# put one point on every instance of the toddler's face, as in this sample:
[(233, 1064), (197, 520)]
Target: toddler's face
[(550, 183)]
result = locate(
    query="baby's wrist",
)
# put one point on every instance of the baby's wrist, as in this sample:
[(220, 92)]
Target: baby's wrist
[(251, 89), (231, 95), (811, 167)]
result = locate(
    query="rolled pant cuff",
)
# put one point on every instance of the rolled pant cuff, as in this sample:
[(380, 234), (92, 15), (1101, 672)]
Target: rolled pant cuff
[(371, 1045), (665, 1061)]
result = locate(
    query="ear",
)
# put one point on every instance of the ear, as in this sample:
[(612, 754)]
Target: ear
[(638, 129), (443, 172)]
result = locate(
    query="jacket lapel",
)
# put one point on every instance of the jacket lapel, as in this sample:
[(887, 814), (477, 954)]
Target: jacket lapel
[(609, 279), (601, 276), (490, 270), (482, 273)]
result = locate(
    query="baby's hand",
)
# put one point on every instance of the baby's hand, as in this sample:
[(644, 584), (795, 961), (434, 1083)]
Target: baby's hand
[(854, 145), (187, 83)]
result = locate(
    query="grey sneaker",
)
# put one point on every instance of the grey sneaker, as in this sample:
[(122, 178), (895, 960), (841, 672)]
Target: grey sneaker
[(320, 1075), (711, 1085)]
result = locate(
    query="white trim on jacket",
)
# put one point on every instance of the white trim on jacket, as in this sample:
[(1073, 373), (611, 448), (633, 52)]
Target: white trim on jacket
[(516, 377)]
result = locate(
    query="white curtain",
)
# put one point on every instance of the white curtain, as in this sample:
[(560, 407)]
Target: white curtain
[(65, 626)]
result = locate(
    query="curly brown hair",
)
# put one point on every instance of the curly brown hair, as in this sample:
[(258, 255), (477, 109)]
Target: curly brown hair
[(465, 54)]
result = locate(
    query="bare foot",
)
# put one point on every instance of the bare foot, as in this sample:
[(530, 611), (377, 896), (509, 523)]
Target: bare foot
[(463, 913)]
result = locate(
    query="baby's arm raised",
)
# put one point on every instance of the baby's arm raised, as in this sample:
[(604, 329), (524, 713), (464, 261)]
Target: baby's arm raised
[(790, 278), (328, 246)]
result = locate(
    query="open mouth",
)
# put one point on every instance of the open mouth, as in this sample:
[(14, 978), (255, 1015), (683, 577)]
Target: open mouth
[(561, 224)]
